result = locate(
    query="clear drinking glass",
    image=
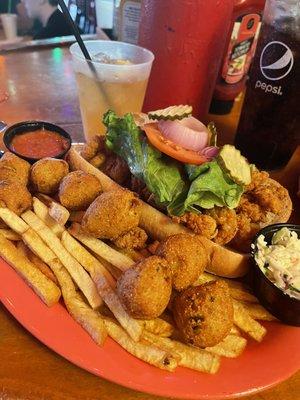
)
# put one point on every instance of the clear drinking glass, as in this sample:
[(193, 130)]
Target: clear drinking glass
[(115, 79)]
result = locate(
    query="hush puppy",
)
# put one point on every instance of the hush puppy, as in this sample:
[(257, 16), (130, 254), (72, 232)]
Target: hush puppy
[(112, 214), (15, 196), (47, 173), (14, 168), (186, 258), (204, 314), (145, 289), (78, 190)]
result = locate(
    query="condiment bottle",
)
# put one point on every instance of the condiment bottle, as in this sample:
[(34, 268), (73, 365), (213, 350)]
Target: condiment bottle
[(127, 20), (245, 27), (269, 127), (188, 40)]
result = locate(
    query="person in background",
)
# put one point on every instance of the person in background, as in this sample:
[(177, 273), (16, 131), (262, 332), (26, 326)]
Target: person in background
[(4, 6), (52, 20)]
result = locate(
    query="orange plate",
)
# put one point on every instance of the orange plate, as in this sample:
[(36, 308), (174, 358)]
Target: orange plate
[(261, 366)]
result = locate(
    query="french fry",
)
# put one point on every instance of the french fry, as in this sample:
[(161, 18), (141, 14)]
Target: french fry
[(190, 357), (242, 295), (257, 311), (42, 211), (89, 262), (237, 290), (89, 319), (76, 216), (131, 253), (43, 267), (44, 198), (43, 287), (235, 331), (86, 317), (56, 211), (80, 276), (59, 213), (131, 326), (117, 259), (150, 354), (10, 235), (232, 346), (246, 323), (158, 327), (13, 221), (114, 271)]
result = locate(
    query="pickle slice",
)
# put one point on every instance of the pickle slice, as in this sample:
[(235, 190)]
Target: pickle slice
[(171, 113), (235, 164), (213, 134)]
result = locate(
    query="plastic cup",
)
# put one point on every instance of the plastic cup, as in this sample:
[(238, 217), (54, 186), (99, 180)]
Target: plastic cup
[(9, 23), (104, 84)]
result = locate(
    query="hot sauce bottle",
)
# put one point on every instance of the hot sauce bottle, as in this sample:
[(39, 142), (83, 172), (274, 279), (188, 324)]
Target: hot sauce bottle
[(244, 32), (188, 39)]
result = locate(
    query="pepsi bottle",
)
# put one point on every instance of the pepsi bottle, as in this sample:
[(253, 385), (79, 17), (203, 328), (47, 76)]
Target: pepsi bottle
[(269, 126)]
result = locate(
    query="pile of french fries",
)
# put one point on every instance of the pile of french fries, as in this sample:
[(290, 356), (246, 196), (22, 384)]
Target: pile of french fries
[(60, 262)]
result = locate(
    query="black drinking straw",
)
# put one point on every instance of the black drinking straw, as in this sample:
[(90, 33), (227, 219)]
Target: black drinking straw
[(82, 46), (75, 29)]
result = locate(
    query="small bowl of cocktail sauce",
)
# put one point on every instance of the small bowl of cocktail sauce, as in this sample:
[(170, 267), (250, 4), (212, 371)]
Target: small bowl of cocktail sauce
[(33, 140)]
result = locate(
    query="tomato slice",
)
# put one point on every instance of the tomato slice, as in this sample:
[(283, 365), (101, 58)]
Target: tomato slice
[(171, 149)]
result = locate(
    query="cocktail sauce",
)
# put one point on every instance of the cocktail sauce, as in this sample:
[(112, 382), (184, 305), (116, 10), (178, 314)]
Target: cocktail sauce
[(39, 143)]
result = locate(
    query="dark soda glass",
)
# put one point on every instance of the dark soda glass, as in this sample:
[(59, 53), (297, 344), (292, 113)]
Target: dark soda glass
[(269, 126)]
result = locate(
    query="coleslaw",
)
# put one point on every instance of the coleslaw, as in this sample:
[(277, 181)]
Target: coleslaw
[(280, 261)]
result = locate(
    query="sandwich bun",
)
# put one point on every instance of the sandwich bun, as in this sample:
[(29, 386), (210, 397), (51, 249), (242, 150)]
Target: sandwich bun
[(223, 261)]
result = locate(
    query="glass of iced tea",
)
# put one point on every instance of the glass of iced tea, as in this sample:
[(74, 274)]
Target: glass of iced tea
[(115, 79)]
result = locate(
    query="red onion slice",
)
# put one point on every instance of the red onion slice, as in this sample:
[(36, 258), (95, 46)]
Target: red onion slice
[(210, 152), (188, 133)]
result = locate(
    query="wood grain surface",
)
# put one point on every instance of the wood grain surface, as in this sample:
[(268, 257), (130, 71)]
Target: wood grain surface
[(41, 85)]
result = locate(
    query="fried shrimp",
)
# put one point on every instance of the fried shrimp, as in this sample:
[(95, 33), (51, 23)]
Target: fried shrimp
[(78, 190), (112, 214), (47, 173), (15, 196), (204, 314), (145, 289), (199, 223), (92, 147), (134, 239), (186, 258), (226, 221), (14, 168), (264, 202)]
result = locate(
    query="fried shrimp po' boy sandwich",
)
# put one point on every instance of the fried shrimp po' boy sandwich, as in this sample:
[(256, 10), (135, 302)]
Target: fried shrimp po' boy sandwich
[(172, 161)]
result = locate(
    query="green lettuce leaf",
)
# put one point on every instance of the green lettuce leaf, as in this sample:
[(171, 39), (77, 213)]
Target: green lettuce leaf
[(161, 175), (210, 187)]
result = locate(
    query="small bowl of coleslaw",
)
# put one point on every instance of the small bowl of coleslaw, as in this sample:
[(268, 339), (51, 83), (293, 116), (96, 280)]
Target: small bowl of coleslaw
[(275, 253)]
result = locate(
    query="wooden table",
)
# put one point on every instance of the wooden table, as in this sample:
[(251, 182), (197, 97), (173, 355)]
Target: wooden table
[(41, 86)]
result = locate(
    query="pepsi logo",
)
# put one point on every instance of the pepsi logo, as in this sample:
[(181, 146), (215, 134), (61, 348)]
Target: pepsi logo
[(276, 61)]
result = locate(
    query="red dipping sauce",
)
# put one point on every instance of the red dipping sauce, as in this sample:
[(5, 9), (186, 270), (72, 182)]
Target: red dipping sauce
[(39, 144)]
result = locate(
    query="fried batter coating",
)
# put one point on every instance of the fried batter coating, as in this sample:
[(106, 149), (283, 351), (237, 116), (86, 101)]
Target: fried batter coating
[(98, 160), (204, 314), (145, 289), (47, 173), (218, 224), (264, 202), (14, 168), (136, 238), (15, 196), (92, 147), (78, 190), (199, 223), (226, 221), (186, 258), (112, 214)]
